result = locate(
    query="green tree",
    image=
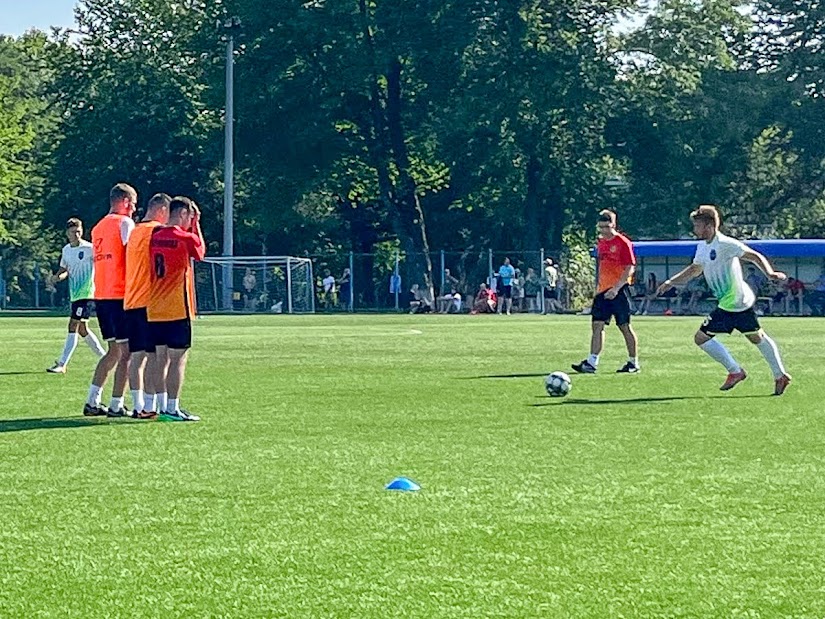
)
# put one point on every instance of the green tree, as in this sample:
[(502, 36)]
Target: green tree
[(28, 127)]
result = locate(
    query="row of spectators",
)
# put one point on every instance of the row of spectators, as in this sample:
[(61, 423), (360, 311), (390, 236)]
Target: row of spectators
[(777, 297)]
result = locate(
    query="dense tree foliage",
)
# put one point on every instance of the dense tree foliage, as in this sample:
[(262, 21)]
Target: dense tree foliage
[(365, 124)]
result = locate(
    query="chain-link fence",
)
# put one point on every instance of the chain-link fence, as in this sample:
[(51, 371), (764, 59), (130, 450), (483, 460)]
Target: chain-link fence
[(393, 281), (31, 288), (380, 282)]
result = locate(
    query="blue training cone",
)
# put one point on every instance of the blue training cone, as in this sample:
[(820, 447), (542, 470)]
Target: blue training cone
[(403, 484)]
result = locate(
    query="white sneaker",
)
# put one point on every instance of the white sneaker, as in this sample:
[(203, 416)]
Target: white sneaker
[(57, 369)]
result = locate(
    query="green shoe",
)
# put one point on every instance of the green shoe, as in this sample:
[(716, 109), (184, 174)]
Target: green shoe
[(178, 416)]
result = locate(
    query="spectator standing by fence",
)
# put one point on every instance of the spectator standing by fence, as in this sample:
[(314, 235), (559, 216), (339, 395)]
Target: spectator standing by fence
[(328, 288), (551, 287), (249, 283), (506, 272), (532, 289), (345, 289)]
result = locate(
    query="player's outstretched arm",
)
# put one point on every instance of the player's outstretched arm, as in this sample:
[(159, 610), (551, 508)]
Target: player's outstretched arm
[(682, 277), (759, 260)]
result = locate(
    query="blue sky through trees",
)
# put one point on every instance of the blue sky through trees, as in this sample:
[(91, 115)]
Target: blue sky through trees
[(16, 17)]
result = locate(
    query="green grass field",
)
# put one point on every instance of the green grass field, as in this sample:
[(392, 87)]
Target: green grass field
[(652, 495)]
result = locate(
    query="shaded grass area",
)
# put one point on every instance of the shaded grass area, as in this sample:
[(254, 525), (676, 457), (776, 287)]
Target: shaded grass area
[(644, 495)]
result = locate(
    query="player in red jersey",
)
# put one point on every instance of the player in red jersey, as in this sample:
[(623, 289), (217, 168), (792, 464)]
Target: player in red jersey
[(139, 281), (617, 264), (171, 305)]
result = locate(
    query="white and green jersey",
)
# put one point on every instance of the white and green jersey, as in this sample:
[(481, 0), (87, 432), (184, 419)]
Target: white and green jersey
[(80, 263), (719, 260)]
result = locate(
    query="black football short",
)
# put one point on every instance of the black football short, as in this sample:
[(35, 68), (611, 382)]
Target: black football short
[(112, 320), (722, 321), (506, 291), (81, 310), (174, 334), (140, 337), (619, 307)]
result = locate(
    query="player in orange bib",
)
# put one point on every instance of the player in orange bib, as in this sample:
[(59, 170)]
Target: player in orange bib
[(172, 301), (143, 360), (617, 264), (109, 238)]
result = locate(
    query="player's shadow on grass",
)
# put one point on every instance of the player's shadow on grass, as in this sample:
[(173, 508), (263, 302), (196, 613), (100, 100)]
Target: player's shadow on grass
[(53, 423), (539, 375), (17, 373), (676, 398)]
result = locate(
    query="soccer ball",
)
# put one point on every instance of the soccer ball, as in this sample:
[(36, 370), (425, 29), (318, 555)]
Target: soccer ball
[(558, 384)]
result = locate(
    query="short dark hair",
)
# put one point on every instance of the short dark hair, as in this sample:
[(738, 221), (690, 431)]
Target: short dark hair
[(121, 191), (607, 216), (179, 203), (74, 222), (159, 200)]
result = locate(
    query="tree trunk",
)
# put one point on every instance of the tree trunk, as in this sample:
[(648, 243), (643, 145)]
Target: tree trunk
[(543, 208), (412, 228), (554, 212), (377, 133), (533, 232)]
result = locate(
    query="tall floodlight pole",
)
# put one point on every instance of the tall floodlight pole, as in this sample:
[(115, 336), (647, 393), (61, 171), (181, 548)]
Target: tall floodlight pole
[(230, 28)]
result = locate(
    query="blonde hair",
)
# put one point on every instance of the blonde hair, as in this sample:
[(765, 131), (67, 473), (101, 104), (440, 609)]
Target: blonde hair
[(706, 213)]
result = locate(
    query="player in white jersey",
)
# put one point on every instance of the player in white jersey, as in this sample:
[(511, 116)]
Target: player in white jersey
[(718, 258), (77, 264)]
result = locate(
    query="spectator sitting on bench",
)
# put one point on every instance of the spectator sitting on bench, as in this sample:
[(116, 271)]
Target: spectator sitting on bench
[(755, 280), (816, 298), (794, 290), (649, 294), (485, 301), (418, 301), (447, 298), (695, 290)]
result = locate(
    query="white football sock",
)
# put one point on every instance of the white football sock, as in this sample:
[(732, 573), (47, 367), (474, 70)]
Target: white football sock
[(633, 360), (149, 402), (161, 401), (68, 348), (770, 351), (116, 404), (94, 395), (94, 344), (718, 352), (138, 402), (172, 405), (593, 360)]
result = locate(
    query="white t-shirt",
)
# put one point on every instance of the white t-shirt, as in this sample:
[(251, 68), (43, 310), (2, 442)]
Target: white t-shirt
[(80, 263), (329, 283), (719, 260), (552, 276), (127, 225)]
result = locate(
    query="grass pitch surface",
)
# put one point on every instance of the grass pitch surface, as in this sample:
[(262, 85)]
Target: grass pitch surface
[(650, 495)]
